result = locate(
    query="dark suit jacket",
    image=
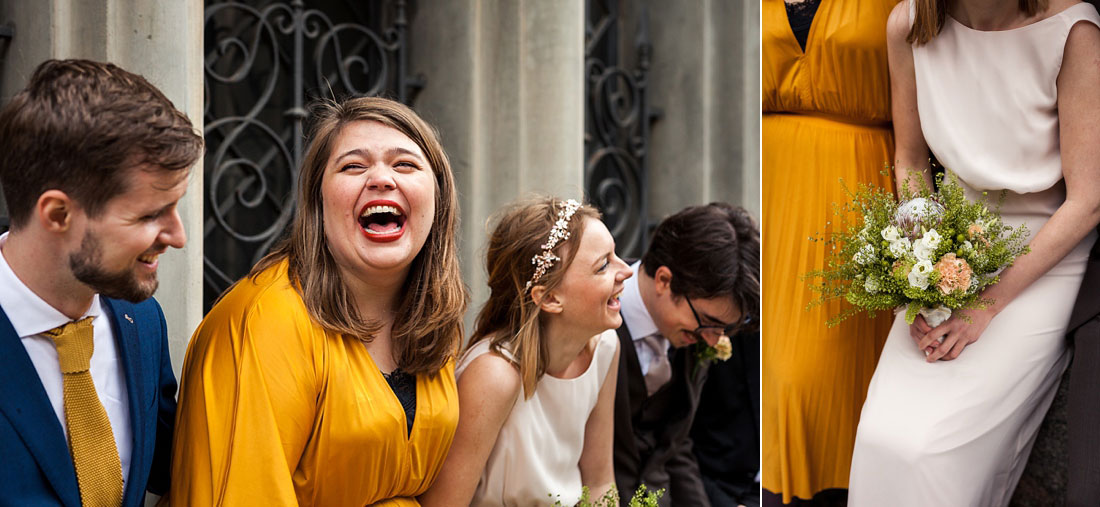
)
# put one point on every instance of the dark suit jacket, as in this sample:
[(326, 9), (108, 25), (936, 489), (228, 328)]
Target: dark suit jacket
[(1083, 472), (652, 434), (37, 468), (726, 432)]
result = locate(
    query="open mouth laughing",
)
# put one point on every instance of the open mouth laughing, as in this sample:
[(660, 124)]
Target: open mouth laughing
[(149, 260), (382, 220), (613, 302)]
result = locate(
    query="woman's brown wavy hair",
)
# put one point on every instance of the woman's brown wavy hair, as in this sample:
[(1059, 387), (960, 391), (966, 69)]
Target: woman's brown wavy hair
[(510, 319), (930, 15), (428, 329)]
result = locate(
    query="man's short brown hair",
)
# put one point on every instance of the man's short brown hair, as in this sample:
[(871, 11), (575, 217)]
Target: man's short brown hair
[(78, 126)]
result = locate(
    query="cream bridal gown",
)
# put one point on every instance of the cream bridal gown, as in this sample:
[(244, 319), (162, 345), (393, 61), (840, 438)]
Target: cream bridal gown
[(958, 433)]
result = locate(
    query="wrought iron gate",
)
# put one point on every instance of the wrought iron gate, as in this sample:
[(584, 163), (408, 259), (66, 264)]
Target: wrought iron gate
[(617, 121), (7, 33), (265, 61)]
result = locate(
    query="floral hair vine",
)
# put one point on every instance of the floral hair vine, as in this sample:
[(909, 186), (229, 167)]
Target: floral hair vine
[(559, 233)]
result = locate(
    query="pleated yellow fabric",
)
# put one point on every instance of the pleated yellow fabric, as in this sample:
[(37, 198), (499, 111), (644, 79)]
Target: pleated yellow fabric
[(826, 117), (274, 410), (91, 440)]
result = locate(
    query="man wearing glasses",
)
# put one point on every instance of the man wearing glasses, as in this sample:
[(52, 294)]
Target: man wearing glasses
[(697, 283)]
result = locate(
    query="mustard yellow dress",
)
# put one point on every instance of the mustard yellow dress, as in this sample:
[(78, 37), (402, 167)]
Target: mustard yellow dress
[(826, 116), (274, 410)]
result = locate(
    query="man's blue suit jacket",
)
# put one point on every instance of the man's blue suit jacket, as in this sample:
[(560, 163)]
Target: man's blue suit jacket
[(35, 465)]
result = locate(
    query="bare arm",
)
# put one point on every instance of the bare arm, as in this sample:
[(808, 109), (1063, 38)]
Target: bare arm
[(910, 151), (596, 464), (487, 391), (1079, 128)]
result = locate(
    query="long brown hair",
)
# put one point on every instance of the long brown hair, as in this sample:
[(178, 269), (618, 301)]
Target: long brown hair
[(510, 318), (428, 329), (930, 16)]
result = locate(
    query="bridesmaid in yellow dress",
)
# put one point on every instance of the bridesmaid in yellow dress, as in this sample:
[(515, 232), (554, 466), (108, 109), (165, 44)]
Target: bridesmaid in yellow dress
[(826, 117), (326, 377)]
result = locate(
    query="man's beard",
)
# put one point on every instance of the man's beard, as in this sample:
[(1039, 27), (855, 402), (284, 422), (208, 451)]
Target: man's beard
[(120, 285)]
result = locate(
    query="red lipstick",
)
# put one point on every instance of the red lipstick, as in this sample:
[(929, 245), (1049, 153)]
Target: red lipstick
[(386, 210)]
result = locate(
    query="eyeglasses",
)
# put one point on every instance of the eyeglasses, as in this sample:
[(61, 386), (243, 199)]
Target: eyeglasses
[(714, 333)]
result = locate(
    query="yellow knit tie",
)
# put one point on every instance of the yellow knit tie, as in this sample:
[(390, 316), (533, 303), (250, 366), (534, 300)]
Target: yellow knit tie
[(91, 441)]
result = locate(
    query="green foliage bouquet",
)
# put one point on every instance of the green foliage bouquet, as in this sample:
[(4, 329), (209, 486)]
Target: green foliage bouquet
[(932, 253), (642, 498)]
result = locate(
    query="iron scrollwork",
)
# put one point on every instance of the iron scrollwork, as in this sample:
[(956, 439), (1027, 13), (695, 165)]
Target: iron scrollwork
[(617, 125), (263, 65), (7, 33)]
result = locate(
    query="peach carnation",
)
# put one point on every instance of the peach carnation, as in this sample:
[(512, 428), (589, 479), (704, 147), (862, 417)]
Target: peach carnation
[(954, 273)]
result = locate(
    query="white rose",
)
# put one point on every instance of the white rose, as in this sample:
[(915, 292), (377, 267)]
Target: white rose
[(871, 285), (891, 234), (933, 238), (864, 255), (967, 246), (901, 248), (922, 250), (918, 276)]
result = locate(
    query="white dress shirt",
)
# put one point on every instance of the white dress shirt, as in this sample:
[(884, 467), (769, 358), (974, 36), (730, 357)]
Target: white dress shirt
[(31, 317), (637, 318)]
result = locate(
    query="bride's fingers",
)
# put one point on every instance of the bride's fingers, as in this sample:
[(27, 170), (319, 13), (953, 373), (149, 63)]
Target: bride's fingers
[(921, 324), (917, 336), (931, 338), (949, 341), (956, 350)]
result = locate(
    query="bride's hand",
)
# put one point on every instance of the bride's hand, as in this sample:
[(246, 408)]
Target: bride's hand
[(957, 334), (917, 330)]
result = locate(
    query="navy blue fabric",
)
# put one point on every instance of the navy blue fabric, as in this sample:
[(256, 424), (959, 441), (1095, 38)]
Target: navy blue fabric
[(37, 468)]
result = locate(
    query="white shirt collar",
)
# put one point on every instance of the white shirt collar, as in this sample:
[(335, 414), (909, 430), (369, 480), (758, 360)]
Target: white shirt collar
[(29, 314), (635, 315)]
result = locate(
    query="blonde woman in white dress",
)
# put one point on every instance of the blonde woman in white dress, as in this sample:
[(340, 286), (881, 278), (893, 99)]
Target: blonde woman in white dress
[(537, 380), (1006, 95)]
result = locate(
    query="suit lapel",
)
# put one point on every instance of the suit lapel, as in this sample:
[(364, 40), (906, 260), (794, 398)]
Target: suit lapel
[(635, 380), (26, 405), (126, 337)]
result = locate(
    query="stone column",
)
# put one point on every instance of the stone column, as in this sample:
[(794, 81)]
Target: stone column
[(705, 80), (159, 40), (505, 88)]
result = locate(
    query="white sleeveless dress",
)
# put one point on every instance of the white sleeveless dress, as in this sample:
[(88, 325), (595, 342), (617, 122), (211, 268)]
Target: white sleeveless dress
[(959, 432), (535, 459)]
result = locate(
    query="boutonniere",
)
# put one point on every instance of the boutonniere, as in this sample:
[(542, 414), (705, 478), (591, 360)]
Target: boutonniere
[(705, 353)]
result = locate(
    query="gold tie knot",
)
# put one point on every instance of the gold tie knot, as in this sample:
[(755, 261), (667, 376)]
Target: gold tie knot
[(75, 343)]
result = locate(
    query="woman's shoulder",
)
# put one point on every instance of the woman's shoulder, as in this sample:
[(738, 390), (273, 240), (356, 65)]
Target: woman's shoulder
[(482, 353), (272, 285), (492, 374), (899, 22), (607, 349), (266, 303)]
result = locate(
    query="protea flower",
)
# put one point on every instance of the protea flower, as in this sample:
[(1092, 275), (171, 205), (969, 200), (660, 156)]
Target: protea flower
[(917, 213)]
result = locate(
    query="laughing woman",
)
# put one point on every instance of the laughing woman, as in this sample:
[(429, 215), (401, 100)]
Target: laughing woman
[(326, 376), (537, 380)]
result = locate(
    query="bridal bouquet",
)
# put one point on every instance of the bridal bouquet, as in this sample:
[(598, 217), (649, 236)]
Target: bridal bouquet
[(932, 253), (643, 497)]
